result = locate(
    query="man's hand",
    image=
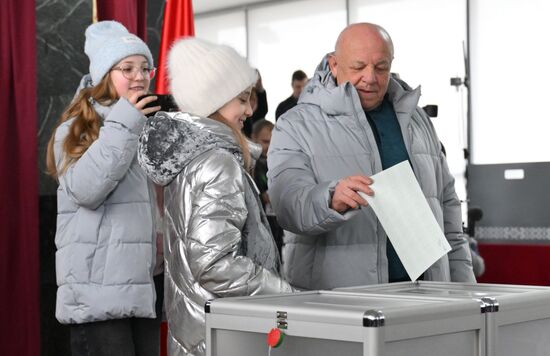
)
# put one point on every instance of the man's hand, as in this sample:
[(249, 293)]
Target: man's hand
[(345, 193)]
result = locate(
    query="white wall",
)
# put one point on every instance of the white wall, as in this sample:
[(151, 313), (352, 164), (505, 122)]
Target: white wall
[(509, 62), (510, 81), (228, 29), (290, 36), (282, 37)]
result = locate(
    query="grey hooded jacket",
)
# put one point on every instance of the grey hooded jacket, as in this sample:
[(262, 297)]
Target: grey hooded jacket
[(105, 249), (327, 137), (217, 241)]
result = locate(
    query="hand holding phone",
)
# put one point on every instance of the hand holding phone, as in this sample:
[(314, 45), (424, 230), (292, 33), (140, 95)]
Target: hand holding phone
[(146, 104), (163, 102)]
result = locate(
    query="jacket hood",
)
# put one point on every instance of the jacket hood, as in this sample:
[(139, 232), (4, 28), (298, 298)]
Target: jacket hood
[(334, 99), (86, 82), (323, 91), (169, 141)]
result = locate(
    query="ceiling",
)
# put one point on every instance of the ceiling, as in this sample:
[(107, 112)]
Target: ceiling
[(200, 6)]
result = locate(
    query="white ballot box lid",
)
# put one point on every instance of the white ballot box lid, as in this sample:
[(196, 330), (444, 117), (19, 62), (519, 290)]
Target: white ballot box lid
[(346, 307), (504, 296)]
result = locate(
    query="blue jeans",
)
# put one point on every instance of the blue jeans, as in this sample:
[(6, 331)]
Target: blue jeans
[(119, 337)]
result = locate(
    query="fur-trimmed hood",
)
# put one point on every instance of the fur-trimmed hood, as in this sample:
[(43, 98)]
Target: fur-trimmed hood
[(170, 141)]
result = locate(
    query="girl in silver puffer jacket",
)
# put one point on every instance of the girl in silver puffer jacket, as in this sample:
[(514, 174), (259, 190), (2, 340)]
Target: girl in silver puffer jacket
[(217, 239)]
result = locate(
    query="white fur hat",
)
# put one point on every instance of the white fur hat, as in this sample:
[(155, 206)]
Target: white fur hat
[(107, 43), (204, 76)]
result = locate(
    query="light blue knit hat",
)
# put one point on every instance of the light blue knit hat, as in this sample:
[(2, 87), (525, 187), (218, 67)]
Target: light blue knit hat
[(108, 42)]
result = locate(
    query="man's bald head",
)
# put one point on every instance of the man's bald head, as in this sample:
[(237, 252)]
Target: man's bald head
[(363, 56), (363, 32)]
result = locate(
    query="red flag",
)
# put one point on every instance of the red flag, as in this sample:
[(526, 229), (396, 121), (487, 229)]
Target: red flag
[(178, 22)]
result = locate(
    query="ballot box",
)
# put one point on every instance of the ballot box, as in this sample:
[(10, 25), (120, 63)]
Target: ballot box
[(346, 323), (517, 316)]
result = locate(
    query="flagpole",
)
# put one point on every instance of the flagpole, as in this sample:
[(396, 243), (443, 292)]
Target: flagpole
[(94, 11)]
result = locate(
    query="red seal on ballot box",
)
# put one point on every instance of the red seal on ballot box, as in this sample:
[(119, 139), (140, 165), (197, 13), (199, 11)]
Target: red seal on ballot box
[(275, 337)]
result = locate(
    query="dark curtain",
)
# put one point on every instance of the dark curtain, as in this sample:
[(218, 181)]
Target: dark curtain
[(19, 261), (515, 263), (130, 13)]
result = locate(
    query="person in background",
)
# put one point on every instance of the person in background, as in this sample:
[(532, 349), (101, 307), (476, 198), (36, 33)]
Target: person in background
[(105, 236), (298, 82), (258, 101), (261, 134), (353, 121), (217, 239)]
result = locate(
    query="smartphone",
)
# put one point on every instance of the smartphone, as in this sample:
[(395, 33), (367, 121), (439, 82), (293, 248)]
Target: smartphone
[(165, 101)]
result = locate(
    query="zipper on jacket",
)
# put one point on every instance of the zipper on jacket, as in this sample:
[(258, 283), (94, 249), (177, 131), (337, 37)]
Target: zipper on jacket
[(153, 194)]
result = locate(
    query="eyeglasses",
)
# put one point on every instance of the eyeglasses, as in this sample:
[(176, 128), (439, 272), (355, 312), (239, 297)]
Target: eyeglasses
[(131, 72)]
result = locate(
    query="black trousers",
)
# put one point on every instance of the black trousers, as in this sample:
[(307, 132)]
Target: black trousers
[(120, 337)]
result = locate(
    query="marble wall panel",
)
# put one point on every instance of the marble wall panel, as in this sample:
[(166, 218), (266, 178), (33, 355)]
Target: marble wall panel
[(61, 62)]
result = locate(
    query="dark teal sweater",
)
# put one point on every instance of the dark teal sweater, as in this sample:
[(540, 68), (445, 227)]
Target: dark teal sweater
[(391, 146)]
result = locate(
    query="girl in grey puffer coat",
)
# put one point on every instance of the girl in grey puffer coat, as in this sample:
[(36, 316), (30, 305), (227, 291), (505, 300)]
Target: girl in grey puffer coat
[(105, 234), (217, 239)]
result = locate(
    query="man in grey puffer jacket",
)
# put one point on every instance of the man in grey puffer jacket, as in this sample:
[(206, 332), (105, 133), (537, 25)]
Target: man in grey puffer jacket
[(352, 121)]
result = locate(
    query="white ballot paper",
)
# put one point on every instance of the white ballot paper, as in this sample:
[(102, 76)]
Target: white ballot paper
[(403, 211)]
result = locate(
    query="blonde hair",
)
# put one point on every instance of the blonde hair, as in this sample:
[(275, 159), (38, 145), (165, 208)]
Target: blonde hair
[(84, 130), (239, 136)]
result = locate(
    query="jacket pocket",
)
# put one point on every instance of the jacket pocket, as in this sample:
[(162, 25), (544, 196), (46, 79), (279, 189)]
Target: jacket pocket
[(77, 248), (298, 259), (127, 254)]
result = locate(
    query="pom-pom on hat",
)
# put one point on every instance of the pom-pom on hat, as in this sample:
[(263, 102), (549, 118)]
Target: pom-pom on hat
[(205, 76), (107, 43)]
